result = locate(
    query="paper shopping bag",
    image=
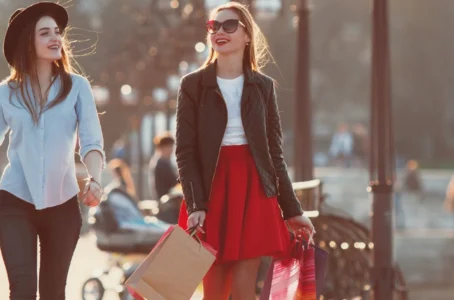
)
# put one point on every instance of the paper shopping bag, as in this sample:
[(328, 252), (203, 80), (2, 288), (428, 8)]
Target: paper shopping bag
[(173, 269)]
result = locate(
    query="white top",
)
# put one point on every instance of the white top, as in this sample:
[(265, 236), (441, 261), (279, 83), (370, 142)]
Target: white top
[(41, 167), (232, 90)]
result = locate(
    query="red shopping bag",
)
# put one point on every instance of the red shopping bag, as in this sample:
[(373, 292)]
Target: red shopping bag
[(292, 278)]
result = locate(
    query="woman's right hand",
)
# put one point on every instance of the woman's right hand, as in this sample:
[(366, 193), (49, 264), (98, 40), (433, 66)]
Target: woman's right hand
[(196, 219)]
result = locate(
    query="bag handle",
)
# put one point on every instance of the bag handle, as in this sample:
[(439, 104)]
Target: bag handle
[(310, 238), (298, 246), (192, 233)]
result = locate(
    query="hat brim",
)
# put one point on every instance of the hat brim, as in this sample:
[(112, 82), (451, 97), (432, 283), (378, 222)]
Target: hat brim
[(32, 12)]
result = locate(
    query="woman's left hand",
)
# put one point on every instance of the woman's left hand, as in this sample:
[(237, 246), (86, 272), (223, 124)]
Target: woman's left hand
[(302, 225), (92, 193)]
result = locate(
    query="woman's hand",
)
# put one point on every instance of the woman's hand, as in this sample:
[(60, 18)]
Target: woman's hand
[(302, 225), (92, 193), (196, 219)]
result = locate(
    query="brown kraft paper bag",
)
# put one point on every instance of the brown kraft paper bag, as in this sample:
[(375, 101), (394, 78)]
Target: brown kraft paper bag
[(173, 269)]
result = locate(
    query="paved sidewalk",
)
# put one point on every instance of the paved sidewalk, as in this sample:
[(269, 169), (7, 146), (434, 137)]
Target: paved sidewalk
[(87, 259)]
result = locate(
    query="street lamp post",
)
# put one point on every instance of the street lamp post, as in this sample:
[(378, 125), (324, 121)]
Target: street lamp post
[(303, 164), (381, 167)]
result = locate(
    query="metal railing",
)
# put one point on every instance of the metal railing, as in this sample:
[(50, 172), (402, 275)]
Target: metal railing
[(349, 245)]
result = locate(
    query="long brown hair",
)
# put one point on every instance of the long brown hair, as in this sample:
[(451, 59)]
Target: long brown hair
[(256, 54), (121, 169), (24, 65)]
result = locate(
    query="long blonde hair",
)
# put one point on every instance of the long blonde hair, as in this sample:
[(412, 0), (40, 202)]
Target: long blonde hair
[(256, 54)]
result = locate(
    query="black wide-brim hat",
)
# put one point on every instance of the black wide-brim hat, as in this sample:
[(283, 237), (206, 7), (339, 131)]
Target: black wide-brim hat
[(30, 14)]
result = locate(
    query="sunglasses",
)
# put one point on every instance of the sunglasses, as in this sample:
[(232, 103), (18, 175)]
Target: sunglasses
[(229, 26)]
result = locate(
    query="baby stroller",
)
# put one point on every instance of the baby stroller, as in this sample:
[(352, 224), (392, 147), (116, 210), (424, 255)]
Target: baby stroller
[(167, 208), (122, 231)]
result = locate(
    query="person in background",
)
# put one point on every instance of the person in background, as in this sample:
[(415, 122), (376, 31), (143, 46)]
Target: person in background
[(412, 179), (412, 195), (45, 106), (119, 149), (162, 173), (122, 178), (342, 146)]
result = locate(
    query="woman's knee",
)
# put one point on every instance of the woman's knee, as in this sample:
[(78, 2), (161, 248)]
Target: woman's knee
[(244, 278), (217, 282)]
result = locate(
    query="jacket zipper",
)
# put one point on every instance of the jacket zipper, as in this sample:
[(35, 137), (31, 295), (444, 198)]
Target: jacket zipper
[(219, 148), (194, 206)]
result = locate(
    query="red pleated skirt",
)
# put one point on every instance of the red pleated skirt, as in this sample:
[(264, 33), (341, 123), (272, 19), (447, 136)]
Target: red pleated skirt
[(241, 222)]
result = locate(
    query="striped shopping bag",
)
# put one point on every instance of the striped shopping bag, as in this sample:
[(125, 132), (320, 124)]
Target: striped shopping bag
[(297, 277)]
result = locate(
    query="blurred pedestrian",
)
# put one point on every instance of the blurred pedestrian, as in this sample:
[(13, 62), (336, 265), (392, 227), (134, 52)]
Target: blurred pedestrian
[(119, 149), (44, 105), (360, 145), (412, 196), (230, 158), (122, 178), (412, 179), (342, 146), (162, 174)]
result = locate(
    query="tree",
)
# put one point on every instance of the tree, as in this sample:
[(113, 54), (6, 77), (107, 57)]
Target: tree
[(142, 50)]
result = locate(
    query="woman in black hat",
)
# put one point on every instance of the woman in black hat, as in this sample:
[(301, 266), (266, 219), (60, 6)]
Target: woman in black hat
[(45, 107)]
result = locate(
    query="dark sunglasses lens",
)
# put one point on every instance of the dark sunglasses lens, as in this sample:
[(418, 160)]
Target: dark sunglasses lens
[(230, 26), (213, 26)]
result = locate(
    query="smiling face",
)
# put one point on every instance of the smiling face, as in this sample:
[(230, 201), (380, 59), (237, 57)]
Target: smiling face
[(48, 40), (245, 40), (232, 40)]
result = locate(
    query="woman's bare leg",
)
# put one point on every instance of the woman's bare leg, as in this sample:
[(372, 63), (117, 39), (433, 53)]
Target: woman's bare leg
[(244, 277), (217, 282)]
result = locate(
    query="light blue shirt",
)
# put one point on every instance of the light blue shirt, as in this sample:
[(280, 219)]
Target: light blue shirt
[(41, 167)]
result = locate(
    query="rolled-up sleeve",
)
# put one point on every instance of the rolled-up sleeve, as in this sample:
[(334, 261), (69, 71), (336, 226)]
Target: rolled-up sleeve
[(90, 132)]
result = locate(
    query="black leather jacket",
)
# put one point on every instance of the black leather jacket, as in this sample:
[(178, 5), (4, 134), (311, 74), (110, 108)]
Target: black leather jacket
[(201, 123)]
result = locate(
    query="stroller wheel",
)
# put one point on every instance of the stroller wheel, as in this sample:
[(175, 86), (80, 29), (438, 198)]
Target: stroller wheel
[(92, 289)]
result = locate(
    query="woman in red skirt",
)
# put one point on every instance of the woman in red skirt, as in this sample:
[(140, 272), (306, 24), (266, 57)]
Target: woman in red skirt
[(229, 154)]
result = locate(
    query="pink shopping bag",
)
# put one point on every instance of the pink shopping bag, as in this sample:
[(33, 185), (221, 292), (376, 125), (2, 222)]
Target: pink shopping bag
[(292, 278)]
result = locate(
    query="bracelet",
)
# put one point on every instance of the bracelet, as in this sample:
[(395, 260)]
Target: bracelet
[(92, 179)]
